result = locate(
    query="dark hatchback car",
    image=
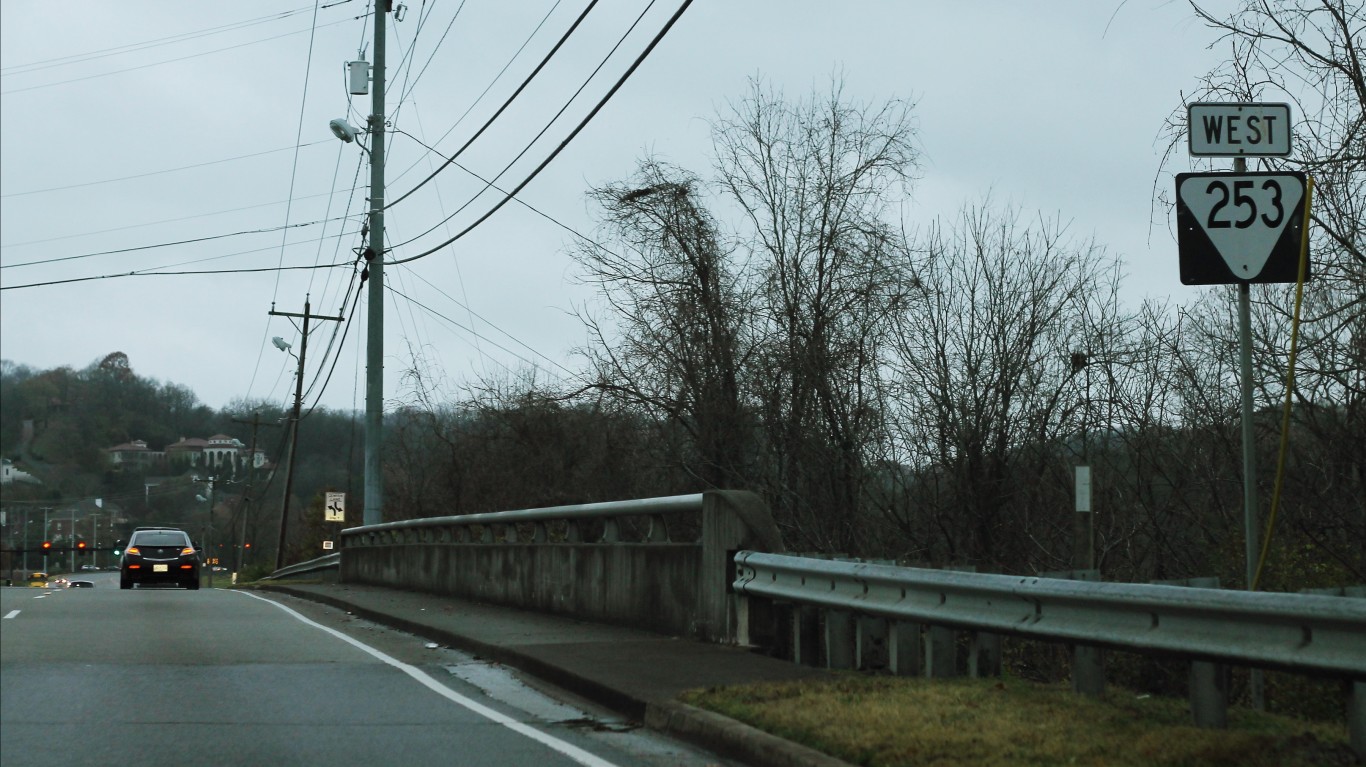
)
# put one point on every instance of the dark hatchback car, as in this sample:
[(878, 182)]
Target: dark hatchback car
[(159, 555)]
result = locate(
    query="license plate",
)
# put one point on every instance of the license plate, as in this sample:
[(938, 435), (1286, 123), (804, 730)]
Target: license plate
[(161, 568)]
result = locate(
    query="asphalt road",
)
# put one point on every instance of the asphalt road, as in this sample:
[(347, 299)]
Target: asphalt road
[(166, 676)]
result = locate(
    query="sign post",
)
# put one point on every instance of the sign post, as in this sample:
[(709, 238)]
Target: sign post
[(1240, 228), (334, 510)]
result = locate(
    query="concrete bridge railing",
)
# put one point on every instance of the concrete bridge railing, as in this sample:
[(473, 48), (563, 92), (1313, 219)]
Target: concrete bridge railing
[(662, 564)]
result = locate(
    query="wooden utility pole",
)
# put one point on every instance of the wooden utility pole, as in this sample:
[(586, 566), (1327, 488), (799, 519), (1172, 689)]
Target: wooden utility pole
[(294, 426), (251, 485)]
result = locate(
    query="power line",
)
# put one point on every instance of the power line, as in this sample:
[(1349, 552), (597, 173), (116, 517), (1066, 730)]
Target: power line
[(601, 103), (171, 244), (150, 273), (527, 81), (76, 58), (488, 87), (169, 61), (476, 333), (543, 130), (159, 172)]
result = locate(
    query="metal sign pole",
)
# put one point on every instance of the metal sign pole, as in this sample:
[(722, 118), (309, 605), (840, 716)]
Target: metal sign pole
[(1256, 687)]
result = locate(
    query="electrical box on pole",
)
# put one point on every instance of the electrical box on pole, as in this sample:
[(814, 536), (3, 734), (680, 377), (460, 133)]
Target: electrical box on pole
[(358, 77)]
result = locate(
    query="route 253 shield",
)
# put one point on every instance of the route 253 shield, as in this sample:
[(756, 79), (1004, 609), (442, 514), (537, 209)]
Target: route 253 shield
[(1240, 227)]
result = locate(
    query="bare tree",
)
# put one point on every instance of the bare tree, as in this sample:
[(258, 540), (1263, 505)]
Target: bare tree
[(988, 400), (680, 333), (816, 182)]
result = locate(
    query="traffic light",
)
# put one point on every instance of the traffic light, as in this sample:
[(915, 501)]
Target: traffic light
[(118, 548), (80, 547), (47, 546)]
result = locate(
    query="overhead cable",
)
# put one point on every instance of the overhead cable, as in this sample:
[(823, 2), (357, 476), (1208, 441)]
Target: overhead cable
[(527, 81), (603, 102), (548, 124)]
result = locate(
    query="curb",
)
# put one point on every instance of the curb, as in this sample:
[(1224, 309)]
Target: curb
[(730, 738), (714, 732)]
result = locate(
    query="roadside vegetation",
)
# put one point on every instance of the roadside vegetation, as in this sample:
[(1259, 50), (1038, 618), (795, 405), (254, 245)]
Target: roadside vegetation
[(882, 721)]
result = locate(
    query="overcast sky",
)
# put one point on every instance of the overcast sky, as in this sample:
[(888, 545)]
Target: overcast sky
[(134, 124)]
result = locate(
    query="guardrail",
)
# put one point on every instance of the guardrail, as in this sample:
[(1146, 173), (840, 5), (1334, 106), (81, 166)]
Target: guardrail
[(494, 526), (657, 563), (326, 567), (1309, 634)]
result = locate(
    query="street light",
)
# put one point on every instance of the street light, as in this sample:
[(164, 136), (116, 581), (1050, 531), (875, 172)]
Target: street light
[(344, 130)]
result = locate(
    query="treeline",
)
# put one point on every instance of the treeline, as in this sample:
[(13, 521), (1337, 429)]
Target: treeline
[(73, 416), (926, 395)]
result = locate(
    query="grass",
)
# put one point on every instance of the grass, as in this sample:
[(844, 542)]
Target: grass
[(882, 721)]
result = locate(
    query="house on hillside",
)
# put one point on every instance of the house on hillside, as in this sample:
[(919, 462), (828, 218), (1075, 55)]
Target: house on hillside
[(188, 451), (217, 453), (9, 474), (134, 454)]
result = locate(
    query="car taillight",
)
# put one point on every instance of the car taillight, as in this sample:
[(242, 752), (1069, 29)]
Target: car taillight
[(187, 567), (133, 550), (187, 552)]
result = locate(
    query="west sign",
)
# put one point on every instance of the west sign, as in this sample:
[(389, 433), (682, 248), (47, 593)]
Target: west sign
[(1238, 130)]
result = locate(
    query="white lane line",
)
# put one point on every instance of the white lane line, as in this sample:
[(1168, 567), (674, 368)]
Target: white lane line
[(569, 750), (10, 614)]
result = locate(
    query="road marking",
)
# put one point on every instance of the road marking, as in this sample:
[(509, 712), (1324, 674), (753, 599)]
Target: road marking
[(569, 750), (10, 614)]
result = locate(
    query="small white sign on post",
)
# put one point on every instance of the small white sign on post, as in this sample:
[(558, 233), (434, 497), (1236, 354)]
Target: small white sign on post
[(335, 510), (1238, 129), (1083, 488), (327, 545)]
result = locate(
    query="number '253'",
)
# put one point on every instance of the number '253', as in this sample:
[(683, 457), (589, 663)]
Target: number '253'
[(1240, 198)]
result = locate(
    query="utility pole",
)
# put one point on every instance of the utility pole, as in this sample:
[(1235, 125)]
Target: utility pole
[(46, 509), (374, 254), (208, 534), (95, 538), (294, 426), (251, 485)]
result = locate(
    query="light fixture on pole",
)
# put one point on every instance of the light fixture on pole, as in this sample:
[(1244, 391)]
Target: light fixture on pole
[(343, 130)]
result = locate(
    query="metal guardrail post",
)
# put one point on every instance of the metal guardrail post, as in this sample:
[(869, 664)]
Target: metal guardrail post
[(805, 636), (1088, 662), (1208, 681), (870, 643), (1356, 692), (984, 648), (903, 648), (941, 653), (839, 639), (1356, 718)]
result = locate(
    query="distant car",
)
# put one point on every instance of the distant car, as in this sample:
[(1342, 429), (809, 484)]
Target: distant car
[(57, 583), (159, 555), (38, 580), (89, 567), (80, 585)]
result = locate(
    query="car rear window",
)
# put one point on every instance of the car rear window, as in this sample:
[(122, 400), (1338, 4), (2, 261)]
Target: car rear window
[(160, 539)]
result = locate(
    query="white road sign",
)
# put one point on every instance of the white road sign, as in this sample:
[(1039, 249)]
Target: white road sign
[(1242, 219), (1238, 130), (335, 510)]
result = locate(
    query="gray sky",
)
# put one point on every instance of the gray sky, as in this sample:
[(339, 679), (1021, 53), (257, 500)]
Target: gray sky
[(119, 123)]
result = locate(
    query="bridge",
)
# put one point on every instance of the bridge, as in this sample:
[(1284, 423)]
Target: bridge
[(711, 566)]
